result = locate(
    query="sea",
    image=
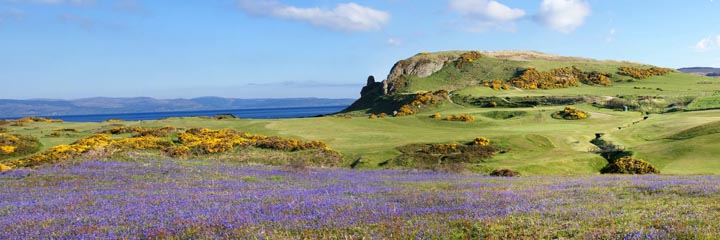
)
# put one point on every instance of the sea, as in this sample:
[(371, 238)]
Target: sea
[(259, 113)]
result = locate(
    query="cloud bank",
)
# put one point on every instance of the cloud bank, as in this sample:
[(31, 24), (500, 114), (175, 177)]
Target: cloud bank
[(349, 17)]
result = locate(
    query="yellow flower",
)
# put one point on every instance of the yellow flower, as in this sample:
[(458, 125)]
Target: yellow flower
[(4, 168), (7, 149)]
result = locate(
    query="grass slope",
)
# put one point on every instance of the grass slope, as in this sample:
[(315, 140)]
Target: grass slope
[(540, 145)]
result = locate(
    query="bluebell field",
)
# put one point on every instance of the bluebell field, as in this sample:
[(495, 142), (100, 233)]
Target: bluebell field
[(201, 200)]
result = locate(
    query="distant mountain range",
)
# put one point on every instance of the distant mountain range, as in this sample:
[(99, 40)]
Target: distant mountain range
[(49, 107), (705, 71)]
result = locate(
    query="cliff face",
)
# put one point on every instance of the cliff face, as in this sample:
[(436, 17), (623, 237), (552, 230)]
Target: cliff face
[(421, 65)]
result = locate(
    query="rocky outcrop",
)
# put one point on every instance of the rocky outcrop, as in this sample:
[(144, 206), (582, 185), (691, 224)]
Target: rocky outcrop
[(421, 65)]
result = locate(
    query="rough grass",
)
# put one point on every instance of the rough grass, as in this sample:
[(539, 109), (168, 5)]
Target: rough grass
[(705, 103), (502, 115)]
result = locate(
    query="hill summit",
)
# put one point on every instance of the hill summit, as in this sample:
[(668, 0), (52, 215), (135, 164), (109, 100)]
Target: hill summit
[(505, 74)]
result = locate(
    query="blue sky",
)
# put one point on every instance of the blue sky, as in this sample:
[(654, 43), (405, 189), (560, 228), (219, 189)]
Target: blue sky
[(315, 48)]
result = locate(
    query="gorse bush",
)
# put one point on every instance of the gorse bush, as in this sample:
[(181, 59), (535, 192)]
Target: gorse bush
[(629, 165), (570, 113), (38, 119), (497, 84), (639, 73), (64, 152), (140, 131), (14, 145), (481, 141), (564, 77), (4, 168), (195, 141), (467, 58), (420, 100), (460, 118)]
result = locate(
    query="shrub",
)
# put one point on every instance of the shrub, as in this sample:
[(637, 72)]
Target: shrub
[(504, 173), (141, 132), (639, 73), (193, 141), (64, 152), (467, 58), (4, 168), (178, 151), (422, 99), (122, 130), (142, 143), (481, 141), (13, 145), (460, 117), (570, 114), (436, 116), (629, 165), (38, 119), (564, 77), (430, 156), (4, 130), (159, 132), (376, 116)]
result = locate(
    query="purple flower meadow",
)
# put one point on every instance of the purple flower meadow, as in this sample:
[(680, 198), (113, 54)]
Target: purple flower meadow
[(193, 199)]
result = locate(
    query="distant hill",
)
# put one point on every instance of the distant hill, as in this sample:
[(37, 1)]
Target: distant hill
[(49, 107), (704, 71)]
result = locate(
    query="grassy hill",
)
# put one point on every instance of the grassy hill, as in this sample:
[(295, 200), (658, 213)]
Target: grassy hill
[(674, 139)]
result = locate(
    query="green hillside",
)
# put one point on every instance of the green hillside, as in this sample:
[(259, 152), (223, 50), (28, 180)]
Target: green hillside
[(519, 122)]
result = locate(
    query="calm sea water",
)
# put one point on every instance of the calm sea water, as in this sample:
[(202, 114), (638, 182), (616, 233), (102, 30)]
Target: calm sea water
[(267, 113)]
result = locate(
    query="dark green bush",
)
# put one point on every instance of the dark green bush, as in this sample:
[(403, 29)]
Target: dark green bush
[(629, 165), (504, 173), (430, 156)]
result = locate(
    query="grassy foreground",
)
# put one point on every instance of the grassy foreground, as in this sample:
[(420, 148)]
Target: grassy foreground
[(208, 200)]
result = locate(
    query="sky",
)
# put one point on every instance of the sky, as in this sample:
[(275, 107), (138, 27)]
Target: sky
[(70, 49)]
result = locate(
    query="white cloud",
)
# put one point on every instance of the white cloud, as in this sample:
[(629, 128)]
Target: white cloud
[(73, 2), (344, 17), (486, 9), (485, 14), (708, 44), (563, 15), (394, 42)]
